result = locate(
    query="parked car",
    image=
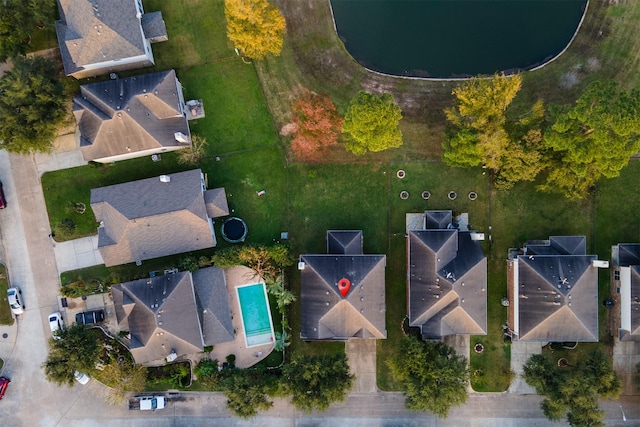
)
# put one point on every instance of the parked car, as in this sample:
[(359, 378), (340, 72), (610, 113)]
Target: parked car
[(4, 384), (15, 300), (3, 201), (90, 317), (81, 378), (56, 324)]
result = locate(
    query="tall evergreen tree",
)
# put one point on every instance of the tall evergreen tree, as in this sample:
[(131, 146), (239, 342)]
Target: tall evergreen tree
[(32, 106)]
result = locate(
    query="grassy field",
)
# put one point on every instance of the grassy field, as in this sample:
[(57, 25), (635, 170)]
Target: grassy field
[(6, 318)]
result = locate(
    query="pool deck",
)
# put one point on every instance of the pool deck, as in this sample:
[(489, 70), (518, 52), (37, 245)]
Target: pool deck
[(245, 357)]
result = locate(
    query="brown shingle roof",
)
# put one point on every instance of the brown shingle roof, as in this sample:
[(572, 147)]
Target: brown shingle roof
[(161, 316), (213, 305), (326, 315), (148, 218), (216, 203), (95, 31), (122, 116)]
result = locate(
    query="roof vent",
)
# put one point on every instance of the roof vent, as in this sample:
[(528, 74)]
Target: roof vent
[(165, 178)]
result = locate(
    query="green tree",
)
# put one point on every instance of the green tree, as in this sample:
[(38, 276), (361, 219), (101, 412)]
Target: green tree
[(32, 105), (480, 132), (248, 392), (314, 382), (371, 123), (283, 340), (255, 27), (573, 392), (76, 349), (594, 138), (433, 376), (123, 377), (18, 19)]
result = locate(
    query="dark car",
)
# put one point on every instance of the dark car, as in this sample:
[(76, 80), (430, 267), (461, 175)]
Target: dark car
[(3, 201), (4, 383), (90, 317)]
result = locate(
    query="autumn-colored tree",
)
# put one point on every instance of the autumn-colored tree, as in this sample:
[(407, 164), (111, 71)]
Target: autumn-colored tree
[(592, 139), (255, 27), (193, 154), (318, 126), (371, 123), (481, 134)]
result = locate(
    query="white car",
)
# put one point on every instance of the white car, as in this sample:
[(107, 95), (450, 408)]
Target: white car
[(56, 324), (81, 378), (14, 295)]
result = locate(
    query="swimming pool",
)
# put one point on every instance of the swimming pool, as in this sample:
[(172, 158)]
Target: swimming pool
[(255, 314)]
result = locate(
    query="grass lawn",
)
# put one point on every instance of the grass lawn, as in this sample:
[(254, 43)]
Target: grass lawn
[(236, 114), (6, 318), (197, 33)]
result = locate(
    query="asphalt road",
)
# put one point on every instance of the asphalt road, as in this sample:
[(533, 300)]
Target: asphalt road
[(32, 401)]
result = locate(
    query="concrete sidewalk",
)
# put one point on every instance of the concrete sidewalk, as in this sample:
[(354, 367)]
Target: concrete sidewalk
[(78, 253), (8, 335)]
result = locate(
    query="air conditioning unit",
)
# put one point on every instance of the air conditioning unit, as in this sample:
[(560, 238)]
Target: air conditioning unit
[(301, 265), (181, 137), (597, 263)]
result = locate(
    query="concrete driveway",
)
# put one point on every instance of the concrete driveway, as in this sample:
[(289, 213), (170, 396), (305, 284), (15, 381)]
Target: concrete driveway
[(77, 253), (361, 354), (520, 353)]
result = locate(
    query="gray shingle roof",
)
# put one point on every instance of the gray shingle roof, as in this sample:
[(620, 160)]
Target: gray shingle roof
[(628, 254), (153, 26), (216, 203), (148, 218), (123, 116), (95, 31), (559, 245), (213, 305), (556, 293), (161, 315), (447, 283), (326, 315), (344, 242), (438, 219)]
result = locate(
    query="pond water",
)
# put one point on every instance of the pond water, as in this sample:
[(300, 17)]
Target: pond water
[(455, 38)]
